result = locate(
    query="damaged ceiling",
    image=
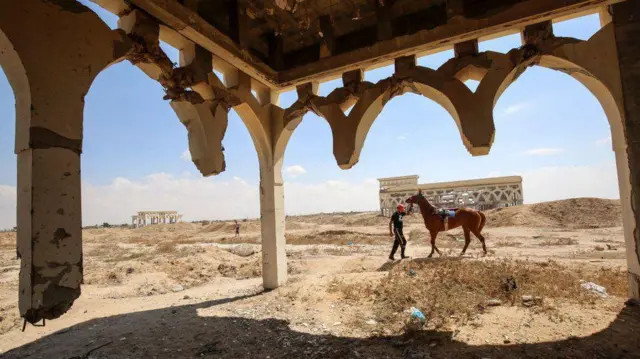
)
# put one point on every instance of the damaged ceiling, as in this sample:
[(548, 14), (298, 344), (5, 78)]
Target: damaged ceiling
[(285, 42)]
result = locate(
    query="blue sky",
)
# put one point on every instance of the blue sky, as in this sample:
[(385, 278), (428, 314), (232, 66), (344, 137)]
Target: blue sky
[(549, 129)]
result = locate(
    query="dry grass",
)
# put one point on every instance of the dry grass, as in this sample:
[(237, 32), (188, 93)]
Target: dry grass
[(561, 241), (166, 247), (456, 290), (354, 292)]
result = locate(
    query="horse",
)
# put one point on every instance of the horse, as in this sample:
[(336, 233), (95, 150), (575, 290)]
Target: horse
[(471, 220)]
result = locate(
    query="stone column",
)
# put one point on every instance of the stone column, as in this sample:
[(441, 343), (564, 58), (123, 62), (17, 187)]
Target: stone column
[(49, 107), (272, 222), (626, 19)]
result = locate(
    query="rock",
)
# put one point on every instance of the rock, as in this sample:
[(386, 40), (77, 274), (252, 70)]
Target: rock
[(537, 300), (527, 298), (177, 288), (494, 302), (129, 270), (594, 288), (337, 323), (242, 250), (599, 248), (611, 248), (186, 297), (371, 322)]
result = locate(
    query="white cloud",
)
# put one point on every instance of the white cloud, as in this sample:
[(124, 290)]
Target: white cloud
[(513, 109), (294, 171), (604, 141), (7, 206), (553, 183), (544, 151), (212, 198), (202, 198), (186, 155)]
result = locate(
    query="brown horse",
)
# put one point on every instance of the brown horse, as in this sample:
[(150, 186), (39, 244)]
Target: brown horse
[(471, 221)]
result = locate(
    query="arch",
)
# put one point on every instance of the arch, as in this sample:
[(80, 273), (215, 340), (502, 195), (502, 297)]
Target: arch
[(594, 64), (16, 74), (369, 107)]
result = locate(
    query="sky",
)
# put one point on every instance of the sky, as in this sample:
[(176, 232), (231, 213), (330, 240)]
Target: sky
[(549, 129)]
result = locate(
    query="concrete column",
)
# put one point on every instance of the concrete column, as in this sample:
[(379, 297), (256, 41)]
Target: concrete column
[(49, 109), (626, 19), (272, 222), (49, 229)]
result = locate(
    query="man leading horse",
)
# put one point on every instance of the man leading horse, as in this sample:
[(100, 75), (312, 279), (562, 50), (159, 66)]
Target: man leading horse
[(397, 222)]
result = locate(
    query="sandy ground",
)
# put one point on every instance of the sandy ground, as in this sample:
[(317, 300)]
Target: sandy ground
[(192, 290)]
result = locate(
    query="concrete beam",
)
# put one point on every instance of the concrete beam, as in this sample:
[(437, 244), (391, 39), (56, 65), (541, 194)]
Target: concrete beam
[(238, 23), (276, 51), (328, 47), (195, 28), (512, 19), (383, 14), (466, 48)]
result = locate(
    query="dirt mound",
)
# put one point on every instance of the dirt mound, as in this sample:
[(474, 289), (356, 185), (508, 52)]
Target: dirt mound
[(339, 237), (570, 213), (175, 227), (228, 227)]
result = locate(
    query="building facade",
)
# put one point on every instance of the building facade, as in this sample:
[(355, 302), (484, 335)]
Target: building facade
[(144, 218), (481, 194)]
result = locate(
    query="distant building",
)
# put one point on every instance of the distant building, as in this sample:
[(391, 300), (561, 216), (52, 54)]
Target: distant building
[(481, 194), (144, 218)]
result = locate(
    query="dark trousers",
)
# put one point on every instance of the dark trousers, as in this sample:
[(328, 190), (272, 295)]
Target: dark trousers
[(400, 241)]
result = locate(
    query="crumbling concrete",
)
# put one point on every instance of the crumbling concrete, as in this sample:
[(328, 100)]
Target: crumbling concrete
[(77, 46)]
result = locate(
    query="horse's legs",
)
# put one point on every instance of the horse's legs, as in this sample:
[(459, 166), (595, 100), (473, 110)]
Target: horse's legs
[(433, 243), (481, 238), (433, 234), (467, 239)]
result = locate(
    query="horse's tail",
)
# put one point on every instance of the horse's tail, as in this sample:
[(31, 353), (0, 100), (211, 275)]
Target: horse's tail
[(483, 221)]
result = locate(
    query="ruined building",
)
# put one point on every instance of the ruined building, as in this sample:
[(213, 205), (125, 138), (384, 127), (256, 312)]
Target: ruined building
[(481, 194), (144, 218), (52, 50)]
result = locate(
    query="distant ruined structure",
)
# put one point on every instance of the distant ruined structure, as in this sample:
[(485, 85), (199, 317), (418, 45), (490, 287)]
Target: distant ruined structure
[(144, 218), (482, 194)]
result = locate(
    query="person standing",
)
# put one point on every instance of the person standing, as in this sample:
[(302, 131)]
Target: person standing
[(397, 223), (237, 228)]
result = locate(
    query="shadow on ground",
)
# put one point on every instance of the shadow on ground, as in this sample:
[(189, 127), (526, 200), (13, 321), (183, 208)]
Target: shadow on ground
[(179, 332)]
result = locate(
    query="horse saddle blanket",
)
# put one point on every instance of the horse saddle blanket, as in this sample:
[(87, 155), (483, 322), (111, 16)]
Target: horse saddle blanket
[(446, 213)]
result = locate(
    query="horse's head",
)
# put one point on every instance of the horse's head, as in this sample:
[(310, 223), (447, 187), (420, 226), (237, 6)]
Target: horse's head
[(414, 200)]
